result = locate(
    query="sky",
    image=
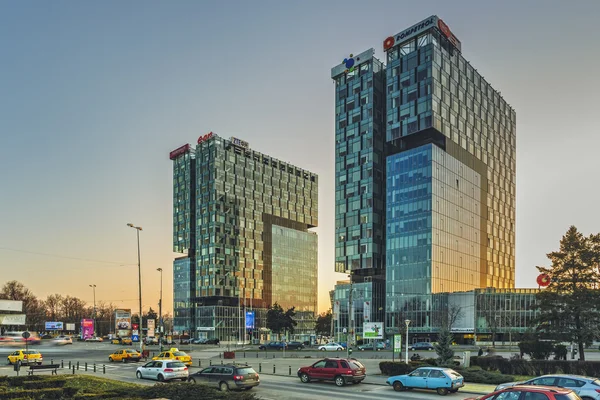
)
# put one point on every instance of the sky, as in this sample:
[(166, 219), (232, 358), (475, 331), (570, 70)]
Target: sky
[(96, 94)]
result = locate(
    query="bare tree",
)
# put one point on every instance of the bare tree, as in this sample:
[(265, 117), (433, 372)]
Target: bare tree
[(455, 313)]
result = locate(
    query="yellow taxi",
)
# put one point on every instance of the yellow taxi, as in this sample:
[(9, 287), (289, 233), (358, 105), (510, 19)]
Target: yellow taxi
[(25, 357), (125, 340), (125, 355), (175, 354)]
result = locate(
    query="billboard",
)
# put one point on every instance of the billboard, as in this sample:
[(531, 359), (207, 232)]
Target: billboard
[(70, 327), (54, 326), (397, 343), (87, 328), (367, 311), (123, 323), (11, 305), (151, 325), (373, 330), (12, 319), (249, 319)]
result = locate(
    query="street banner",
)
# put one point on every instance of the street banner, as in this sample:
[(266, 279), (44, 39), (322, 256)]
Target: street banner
[(87, 328), (367, 311), (373, 330), (249, 319), (397, 343), (151, 327), (123, 323), (336, 311)]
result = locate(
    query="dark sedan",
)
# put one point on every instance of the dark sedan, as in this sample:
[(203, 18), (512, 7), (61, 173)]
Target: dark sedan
[(272, 346), (295, 345), (227, 377)]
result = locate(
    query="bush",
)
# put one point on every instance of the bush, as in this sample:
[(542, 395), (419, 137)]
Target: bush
[(477, 375), (560, 352), (42, 384), (537, 367)]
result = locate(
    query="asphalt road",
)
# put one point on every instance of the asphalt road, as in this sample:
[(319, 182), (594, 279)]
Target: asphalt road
[(273, 387)]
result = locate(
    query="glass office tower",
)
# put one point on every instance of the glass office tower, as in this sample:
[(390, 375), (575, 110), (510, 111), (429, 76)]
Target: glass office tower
[(449, 176), (253, 246)]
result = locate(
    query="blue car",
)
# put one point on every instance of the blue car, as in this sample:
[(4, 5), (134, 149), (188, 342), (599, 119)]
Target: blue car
[(442, 380)]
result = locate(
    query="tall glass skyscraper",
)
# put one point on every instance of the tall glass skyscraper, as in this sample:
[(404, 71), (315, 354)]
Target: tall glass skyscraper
[(243, 220), (449, 176)]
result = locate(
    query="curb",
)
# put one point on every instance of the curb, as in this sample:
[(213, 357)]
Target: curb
[(375, 383)]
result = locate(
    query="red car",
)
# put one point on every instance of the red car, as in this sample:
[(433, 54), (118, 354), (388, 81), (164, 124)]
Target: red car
[(527, 392), (339, 370)]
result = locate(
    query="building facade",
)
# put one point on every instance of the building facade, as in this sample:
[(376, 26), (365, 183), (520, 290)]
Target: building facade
[(249, 240), (448, 173)]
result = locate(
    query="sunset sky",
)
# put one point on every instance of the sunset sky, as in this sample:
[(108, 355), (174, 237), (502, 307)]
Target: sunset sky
[(96, 94)]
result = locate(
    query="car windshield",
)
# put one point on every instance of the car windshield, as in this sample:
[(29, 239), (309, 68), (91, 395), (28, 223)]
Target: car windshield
[(175, 365), (179, 354), (246, 371)]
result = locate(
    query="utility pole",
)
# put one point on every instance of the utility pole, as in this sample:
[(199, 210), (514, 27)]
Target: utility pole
[(141, 338), (160, 326), (350, 318)]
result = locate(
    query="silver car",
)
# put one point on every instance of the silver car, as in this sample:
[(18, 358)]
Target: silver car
[(586, 387), (163, 370)]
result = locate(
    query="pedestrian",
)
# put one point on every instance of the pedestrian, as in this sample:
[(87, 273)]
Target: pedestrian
[(218, 342), (480, 352)]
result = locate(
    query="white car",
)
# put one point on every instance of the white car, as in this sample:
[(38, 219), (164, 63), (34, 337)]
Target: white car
[(94, 339), (62, 340), (331, 347), (163, 370)]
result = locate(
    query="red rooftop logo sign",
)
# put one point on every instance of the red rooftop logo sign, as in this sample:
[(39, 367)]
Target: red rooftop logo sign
[(205, 137), (179, 151)]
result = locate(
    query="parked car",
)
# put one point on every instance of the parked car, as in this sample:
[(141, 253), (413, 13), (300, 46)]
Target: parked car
[(163, 370), (331, 347), (530, 392), (125, 355), (227, 377), (369, 346), (25, 357), (94, 339), (339, 370), (442, 380), (211, 341), (199, 341), (272, 346), (150, 340), (586, 387), (421, 346), (295, 345)]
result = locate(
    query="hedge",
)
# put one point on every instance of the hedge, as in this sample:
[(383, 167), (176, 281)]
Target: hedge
[(46, 394), (186, 391), (473, 375), (537, 367)]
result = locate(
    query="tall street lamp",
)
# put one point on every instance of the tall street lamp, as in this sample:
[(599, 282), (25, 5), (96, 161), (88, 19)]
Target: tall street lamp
[(160, 312), (407, 322), (138, 229), (94, 315)]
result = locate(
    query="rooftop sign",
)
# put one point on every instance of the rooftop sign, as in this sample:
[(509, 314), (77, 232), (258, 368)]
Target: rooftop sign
[(239, 143), (205, 137), (177, 152), (419, 28)]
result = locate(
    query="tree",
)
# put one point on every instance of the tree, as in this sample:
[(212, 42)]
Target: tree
[(455, 313), (32, 307), (53, 305), (279, 321), (443, 348), (323, 324), (569, 306)]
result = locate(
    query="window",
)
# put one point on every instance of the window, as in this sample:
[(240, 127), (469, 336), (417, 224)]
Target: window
[(320, 364), (535, 396), (344, 364), (331, 364), (509, 395)]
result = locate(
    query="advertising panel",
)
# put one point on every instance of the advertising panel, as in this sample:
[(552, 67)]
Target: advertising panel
[(11, 305), (87, 328), (70, 327), (54, 326), (336, 311), (373, 330), (367, 311), (123, 323), (397, 343), (249, 319), (151, 327), (12, 319)]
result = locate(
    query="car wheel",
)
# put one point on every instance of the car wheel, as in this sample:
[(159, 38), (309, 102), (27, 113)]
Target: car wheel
[(340, 381), (124, 360), (223, 387), (339, 349), (161, 378), (138, 374), (304, 378), (398, 386), (323, 349), (442, 391), (191, 380), (110, 359), (9, 363)]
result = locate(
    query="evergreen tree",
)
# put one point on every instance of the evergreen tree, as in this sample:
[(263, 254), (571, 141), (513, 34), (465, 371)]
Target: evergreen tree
[(569, 308), (444, 348)]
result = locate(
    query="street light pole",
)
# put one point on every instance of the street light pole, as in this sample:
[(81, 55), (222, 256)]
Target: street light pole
[(138, 229), (94, 315), (160, 312), (407, 322)]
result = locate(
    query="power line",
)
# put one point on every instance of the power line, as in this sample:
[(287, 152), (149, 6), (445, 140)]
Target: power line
[(120, 264)]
